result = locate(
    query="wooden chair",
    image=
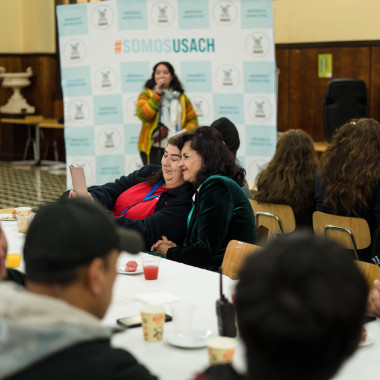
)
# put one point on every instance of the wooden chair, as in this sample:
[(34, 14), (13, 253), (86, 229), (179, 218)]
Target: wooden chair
[(276, 217), (236, 253), (352, 233), (371, 272)]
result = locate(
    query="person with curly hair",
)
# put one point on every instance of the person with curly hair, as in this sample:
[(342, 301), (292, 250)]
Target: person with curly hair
[(349, 180), (289, 177), (164, 109)]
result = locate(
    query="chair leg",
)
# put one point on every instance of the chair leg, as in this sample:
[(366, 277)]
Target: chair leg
[(55, 150), (34, 149), (29, 140)]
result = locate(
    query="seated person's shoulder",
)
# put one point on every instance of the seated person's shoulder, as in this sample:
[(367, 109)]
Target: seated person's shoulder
[(219, 372), (94, 359), (16, 276), (113, 362)]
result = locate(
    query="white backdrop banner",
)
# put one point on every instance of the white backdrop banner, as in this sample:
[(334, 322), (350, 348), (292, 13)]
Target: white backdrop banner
[(222, 51)]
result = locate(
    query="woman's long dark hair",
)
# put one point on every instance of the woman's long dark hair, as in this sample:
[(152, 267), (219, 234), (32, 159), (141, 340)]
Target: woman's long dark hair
[(216, 157), (175, 83)]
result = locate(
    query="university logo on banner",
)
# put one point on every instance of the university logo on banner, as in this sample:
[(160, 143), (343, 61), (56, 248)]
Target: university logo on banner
[(258, 44), (260, 109), (78, 112), (109, 139), (201, 106), (102, 17), (74, 50), (225, 13), (105, 78), (227, 77), (163, 13)]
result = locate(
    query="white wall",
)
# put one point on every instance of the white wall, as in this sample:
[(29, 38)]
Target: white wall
[(27, 26), (326, 20)]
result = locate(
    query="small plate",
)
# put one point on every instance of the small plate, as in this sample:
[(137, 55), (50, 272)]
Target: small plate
[(121, 270), (189, 338), (7, 217), (368, 340)]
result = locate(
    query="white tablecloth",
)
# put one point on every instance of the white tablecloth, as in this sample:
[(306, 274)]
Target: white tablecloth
[(186, 283), (201, 288)]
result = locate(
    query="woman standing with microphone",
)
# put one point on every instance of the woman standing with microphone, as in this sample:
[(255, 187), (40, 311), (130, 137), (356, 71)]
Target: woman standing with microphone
[(164, 110)]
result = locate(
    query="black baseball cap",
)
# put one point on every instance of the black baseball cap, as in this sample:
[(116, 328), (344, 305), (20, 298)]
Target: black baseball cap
[(229, 132), (70, 233)]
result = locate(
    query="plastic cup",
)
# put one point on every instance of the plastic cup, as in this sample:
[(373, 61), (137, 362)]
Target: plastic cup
[(182, 315), (153, 319), (21, 211), (151, 265), (23, 222), (221, 349), (13, 260)]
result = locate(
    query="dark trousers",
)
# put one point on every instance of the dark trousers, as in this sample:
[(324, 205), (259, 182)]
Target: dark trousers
[(155, 156)]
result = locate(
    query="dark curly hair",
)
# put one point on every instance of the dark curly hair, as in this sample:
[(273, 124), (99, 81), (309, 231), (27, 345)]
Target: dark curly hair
[(175, 84), (289, 176), (350, 167), (216, 157)]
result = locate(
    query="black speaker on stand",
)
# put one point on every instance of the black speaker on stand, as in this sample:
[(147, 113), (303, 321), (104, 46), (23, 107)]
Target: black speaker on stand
[(345, 99)]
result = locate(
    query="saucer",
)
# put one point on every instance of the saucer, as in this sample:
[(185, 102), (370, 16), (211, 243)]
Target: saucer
[(122, 270), (7, 217), (188, 338), (368, 340)]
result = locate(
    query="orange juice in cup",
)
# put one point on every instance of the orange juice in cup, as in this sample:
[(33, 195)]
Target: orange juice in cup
[(13, 260)]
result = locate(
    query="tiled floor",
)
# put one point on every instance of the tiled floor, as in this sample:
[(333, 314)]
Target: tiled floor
[(29, 186)]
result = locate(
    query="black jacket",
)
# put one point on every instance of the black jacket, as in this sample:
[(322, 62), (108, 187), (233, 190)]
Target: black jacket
[(170, 216), (95, 360)]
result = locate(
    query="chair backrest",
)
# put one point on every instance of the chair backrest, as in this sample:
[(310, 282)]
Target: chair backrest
[(345, 99), (276, 217), (236, 253), (352, 233), (371, 272)]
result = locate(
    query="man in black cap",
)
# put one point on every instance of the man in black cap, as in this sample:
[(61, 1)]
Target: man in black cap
[(229, 132), (52, 328), (230, 136)]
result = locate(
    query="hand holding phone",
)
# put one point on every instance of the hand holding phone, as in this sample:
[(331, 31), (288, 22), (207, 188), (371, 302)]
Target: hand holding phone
[(79, 181)]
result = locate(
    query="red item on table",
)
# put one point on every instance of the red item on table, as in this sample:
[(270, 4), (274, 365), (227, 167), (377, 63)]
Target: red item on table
[(131, 266), (151, 272)]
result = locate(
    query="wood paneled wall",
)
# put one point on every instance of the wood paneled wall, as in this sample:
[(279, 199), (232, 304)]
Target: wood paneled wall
[(301, 92), (44, 93), (43, 89)]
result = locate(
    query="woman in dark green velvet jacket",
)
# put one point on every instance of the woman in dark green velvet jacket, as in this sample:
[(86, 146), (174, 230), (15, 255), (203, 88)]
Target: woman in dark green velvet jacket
[(221, 211)]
